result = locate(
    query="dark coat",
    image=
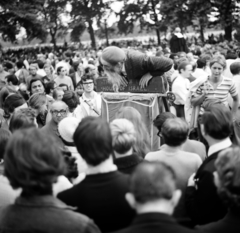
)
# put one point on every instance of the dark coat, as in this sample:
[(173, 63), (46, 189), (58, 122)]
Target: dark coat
[(203, 204), (43, 214), (178, 44), (128, 164), (155, 223), (138, 64), (102, 198), (229, 224)]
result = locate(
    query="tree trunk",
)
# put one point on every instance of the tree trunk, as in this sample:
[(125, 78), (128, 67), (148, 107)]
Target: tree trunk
[(91, 32), (53, 40), (228, 32), (106, 32), (158, 36), (202, 33)]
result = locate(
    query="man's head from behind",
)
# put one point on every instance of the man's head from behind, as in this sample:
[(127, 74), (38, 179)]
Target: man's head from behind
[(153, 185), (216, 122), (235, 68), (93, 140), (175, 132)]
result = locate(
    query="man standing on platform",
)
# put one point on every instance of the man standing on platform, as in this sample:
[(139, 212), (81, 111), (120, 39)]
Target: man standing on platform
[(119, 64)]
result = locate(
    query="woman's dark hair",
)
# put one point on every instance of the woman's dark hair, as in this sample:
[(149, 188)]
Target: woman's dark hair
[(93, 140), (49, 86), (72, 170), (11, 102), (12, 78), (22, 119), (71, 100), (33, 161), (59, 69), (63, 85), (4, 137)]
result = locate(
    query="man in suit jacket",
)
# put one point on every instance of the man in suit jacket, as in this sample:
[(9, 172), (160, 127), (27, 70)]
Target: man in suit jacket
[(101, 195), (153, 195), (202, 201), (118, 64)]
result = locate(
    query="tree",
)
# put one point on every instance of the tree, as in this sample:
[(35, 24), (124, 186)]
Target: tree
[(15, 15), (227, 13), (52, 14), (88, 12), (146, 12)]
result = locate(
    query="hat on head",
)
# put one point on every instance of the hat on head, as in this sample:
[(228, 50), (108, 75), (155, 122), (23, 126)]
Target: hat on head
[(113, 55), (67, 127)]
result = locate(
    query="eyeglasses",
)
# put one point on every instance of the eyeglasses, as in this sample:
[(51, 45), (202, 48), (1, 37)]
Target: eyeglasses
[(88, 83), (61, 112)]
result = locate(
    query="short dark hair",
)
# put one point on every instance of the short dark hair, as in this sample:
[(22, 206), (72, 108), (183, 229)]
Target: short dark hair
[(11, 102), (33, 81), (4, 137), (161, 118), (71, 99), (86, 77), (63, 85), (217, 121), (235, 68), (183, 65), (152, 181), (40, 64), (175, 131), (59, 69), (20, 64), (93, 140), (33, 162), (22, 119), (13, 79), (201, 63), (49, 86)]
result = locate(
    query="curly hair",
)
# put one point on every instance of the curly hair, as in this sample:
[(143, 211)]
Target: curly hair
[(228, 171)]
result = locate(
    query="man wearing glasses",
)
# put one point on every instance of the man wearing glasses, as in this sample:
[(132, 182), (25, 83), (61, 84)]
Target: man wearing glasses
[(59, 110), (90, 100)]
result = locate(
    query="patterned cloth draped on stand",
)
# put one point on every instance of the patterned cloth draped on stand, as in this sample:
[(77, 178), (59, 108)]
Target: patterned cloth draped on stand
[(146, 104)]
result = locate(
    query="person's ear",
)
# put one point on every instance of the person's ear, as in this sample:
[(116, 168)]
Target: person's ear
[(202, 130), (216, 179), (176, 197), (130, 200)]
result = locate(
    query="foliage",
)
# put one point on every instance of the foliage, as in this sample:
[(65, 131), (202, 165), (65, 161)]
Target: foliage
[(15, 14)]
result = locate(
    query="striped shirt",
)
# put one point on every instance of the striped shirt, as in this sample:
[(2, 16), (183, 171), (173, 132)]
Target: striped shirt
[(220, 93)]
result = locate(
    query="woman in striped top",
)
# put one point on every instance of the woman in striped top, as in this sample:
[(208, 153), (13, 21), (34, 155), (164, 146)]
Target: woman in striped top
[(216, 89)]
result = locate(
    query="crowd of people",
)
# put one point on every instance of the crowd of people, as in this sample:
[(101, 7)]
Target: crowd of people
[(63, 168)]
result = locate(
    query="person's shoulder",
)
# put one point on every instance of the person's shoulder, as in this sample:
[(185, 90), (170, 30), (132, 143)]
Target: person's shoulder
[(153, 155)]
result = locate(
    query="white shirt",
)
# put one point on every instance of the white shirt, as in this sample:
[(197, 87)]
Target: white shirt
[(224, 144), (236, 80), (180, 88), (199, 73)]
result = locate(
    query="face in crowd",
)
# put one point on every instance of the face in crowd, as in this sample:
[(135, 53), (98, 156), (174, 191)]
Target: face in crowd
[(88, 85), (37, 87), (59, 111)]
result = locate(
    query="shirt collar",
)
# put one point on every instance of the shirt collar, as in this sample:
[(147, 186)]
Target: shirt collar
[(225, 143)]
